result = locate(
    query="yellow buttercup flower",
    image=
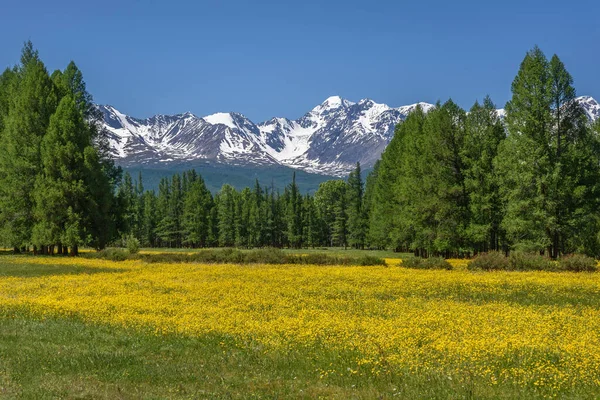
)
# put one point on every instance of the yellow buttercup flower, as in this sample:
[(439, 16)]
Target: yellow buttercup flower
[(527, 328)]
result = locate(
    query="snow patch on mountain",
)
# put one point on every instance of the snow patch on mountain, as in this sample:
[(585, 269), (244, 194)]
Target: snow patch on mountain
[(329, 139), (591, 107), (221, 118)]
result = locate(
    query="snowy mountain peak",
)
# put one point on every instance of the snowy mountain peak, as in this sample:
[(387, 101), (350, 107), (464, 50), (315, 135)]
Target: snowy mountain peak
[(332, 103), (220, 119), (591, 107), (330, 139)]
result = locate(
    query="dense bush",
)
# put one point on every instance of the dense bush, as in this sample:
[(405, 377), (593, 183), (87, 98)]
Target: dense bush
[(492, 261), (577, 263), (112, 254), (133, 245), (235, 256), (426, 263), (517, 261), (521, 261)]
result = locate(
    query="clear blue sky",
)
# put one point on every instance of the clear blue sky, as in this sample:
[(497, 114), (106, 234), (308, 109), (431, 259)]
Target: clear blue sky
[(281, 58)]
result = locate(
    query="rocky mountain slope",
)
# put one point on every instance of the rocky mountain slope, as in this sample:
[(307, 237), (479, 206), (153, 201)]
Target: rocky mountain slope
[(328, 140)]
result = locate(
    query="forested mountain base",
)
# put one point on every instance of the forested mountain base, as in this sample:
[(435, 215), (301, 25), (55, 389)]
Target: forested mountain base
[(184, 213), (450, 183)]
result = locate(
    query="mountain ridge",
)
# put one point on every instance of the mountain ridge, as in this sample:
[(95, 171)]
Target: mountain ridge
[(328, 140)]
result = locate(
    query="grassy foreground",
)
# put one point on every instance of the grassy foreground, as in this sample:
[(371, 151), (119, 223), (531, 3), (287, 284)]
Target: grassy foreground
[(82, 328)]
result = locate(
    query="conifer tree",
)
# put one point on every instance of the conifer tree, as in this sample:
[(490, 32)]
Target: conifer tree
[(149, 220), (8, 81), (61, 192), (339, 234), (327, 202), (32, 101), (294, 214), (357, 223), (485, 132), (368, 197), (547, 168), (196, 213), (243, 213), (127, 205), (395, 216), (227, 216)]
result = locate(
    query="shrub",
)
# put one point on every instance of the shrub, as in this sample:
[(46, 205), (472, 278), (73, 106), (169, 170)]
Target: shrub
[(426, 263), (370, 260), (492, 261), (259, 256), (521, 261), (133, 245), (109, 254), (577, 263)]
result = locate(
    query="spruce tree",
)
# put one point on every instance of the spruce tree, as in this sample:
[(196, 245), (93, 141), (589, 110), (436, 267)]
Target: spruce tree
[(128, 206), (196, 213), (357, 223), (339, 234), (331, 208), (294, 214), (227, 216)]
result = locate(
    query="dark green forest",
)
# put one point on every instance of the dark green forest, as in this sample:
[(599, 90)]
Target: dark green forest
[(450, 183)]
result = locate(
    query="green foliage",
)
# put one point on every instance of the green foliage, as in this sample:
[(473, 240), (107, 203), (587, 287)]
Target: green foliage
[(491, 261), (577, 263), (111, 254), (56, 187), (426, 263), (357, 217), (331, 203), (527, 261), (523, 261), (485, 132), (548, 166), (236, 256), (450, 183), (133, 245)]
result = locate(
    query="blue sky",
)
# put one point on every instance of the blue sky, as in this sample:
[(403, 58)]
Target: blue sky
[(281, 58)]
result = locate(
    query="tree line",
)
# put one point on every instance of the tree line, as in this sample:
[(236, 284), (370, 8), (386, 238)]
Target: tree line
[(184, 213), (450, 182)]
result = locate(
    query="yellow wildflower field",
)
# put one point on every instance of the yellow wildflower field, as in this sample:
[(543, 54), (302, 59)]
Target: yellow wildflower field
[(537, 329)]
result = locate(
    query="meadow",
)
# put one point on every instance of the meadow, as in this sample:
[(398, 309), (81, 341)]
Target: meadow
[(93, 328)]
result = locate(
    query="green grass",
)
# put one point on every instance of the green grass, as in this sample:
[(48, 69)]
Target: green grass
[(65, 358)]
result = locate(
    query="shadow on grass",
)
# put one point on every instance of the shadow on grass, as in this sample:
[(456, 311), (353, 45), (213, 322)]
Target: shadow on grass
[(66, 358), (26, 270)]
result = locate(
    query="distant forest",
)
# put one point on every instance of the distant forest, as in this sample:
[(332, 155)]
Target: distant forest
[(450, 183)]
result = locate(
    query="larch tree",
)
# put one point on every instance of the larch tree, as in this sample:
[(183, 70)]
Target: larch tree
[(32, 102), (549, 169), (485, 132)]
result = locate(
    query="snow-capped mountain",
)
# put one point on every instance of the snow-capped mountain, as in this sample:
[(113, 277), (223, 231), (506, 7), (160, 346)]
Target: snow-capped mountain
[(329, 139), (591, 107)]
